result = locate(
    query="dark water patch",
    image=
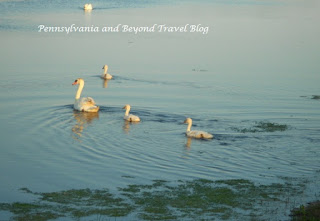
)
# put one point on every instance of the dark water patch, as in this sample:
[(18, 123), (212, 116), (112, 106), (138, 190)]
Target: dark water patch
[(159, 117), (262, 126), (160, 200), (224, 144), (128, 177), (221, 137), (169, 118), (199, 70), (309, 212), (110, 109), (315, 97), (203, 123), (97, 76)]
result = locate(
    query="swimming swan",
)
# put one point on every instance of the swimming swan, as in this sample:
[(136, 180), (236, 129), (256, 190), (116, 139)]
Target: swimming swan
[(87, 7), (106, 75), (130, 117), (196, 133), (86, 104)]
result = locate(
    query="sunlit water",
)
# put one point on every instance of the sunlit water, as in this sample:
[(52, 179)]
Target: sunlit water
[(258, 63)]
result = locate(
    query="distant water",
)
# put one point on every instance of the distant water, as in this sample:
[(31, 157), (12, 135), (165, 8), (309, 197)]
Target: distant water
[(258, 65)]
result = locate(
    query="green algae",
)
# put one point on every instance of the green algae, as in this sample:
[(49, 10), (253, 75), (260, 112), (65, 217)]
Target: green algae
[(262, 127), (41, 216), (199, 199), (29, 211), (310, 212), (82, 197)]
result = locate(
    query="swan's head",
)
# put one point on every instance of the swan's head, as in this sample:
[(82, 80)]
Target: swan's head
[(77, 81), (188, 121), (105, 67), (127, 107), (87, 7)]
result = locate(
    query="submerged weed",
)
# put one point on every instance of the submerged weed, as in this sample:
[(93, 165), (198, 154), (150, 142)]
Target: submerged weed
[(311, 212), (82, 197), (199, 199), (262, 127)]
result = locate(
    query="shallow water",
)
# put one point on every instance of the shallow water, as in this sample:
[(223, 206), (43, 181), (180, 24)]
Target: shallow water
[(258, 63)]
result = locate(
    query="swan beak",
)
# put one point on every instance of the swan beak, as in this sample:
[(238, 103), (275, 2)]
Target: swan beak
[(124, 107), (75, 82), (185, 121)]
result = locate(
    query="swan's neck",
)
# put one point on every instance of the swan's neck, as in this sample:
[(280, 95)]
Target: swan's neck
[(105, 70), (78, 94), (189, 126), (127, 112)]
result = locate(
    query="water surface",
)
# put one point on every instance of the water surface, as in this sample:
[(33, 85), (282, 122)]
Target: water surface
[(258, 64)]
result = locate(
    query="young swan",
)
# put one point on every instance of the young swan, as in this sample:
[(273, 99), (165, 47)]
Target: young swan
[(196, 133), (87, 7), (130, 117), (105, 74), (86, 104)]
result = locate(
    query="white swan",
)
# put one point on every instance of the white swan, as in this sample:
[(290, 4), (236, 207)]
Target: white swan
[(86, 104), (105, 74), (87, 7), (130, 117), (196, 133)]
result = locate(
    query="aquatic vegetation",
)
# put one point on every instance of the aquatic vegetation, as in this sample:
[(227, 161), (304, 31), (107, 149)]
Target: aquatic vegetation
[(81, 197), (30, 211), (262, 127), (160, 200), (309, 213), (316, 97)]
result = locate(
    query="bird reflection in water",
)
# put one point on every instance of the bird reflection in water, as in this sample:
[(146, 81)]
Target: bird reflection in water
[(87, 16), (83, 119), (188, 144), (127, 124), (105, 83)]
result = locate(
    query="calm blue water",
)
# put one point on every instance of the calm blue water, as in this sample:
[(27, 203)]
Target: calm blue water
[(258, 63)]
